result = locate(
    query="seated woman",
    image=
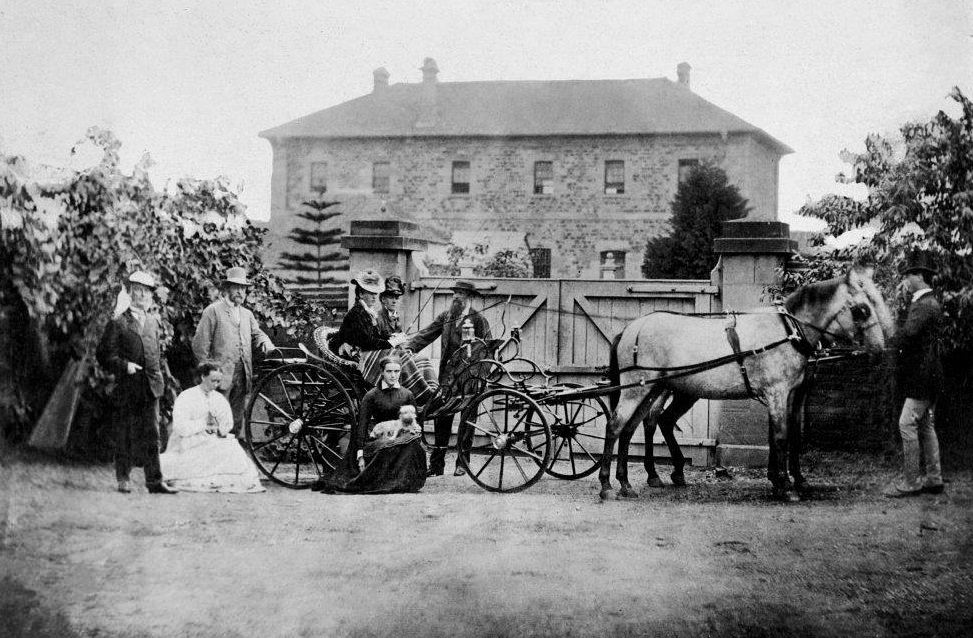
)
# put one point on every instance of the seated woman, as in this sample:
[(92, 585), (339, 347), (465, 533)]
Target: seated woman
[(364, 337), (200, 456), (385, 453)]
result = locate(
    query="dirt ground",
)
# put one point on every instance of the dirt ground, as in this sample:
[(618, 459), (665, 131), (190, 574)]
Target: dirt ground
[(717, 558)]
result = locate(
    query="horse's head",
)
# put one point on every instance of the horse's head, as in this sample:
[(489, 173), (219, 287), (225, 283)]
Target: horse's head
[(860, 313), (849, 310)]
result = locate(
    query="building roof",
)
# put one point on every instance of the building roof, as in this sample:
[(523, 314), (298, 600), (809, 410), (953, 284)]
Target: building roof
[(524, 108)]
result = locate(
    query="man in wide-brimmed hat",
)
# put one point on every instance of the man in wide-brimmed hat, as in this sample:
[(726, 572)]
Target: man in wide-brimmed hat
[(227, 333), (449, 325), (919, 375), (130, 350)]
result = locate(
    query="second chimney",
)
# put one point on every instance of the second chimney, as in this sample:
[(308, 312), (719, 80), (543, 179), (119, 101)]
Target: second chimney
[(682, 72), (381, 79), (428, 111)]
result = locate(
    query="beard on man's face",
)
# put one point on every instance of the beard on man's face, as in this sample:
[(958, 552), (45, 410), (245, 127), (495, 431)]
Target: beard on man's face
[(456, 308)]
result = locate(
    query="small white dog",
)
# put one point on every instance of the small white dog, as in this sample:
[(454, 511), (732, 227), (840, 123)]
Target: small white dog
[(391, 429)]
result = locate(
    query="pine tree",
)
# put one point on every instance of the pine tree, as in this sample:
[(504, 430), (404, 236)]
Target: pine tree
[(703, 202), (312, 266)]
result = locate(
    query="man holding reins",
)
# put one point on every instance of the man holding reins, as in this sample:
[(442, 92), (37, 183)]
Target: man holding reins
[(449, 326)]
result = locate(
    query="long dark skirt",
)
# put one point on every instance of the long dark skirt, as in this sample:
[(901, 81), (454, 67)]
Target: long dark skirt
[(390, 466)]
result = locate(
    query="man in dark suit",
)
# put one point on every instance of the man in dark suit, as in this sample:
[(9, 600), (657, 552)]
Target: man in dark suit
[(449, 326), (130, 350), (388, 319), (919, 375)]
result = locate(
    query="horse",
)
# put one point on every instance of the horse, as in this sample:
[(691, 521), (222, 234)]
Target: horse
[(761, 355)]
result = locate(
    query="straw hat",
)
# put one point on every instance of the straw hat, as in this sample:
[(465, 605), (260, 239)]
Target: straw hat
[(369, 281), (236, 275), (143, 278)]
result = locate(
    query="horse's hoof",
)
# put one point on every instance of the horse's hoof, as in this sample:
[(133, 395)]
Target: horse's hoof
[(786, 495), (655, 481), (606, 494), (802, 486), (626, 491), (679, 480)]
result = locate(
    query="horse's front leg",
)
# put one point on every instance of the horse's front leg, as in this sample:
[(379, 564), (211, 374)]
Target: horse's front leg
[(795, 435), (777, 468)]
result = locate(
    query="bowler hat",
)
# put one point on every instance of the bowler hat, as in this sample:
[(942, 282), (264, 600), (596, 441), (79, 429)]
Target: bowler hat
[(143, 278), (369, 281), (236, 275), (465, 286), (918, 262), (393, 287)]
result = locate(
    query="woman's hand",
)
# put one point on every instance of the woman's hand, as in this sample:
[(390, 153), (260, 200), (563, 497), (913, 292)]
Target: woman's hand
[(361, 461)]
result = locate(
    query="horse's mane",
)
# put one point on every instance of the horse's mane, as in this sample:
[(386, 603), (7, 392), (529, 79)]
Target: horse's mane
[(812, 294)]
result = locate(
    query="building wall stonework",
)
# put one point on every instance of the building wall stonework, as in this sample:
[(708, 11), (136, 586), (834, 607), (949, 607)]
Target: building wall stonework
[(577, 221)]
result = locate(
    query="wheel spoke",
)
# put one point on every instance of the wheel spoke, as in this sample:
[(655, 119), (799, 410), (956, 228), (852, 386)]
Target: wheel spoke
[(519, 468), (538, 459), (275, 406), (500, 484), (287, 395), (585, 450), (574, 469), (283, 454), (264, 444), (493, 455), (560, 447)]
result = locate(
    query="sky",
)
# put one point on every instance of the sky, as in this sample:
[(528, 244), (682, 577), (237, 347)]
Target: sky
[(194, 83)]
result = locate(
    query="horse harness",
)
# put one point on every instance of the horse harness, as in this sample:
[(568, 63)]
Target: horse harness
[(794, 335)]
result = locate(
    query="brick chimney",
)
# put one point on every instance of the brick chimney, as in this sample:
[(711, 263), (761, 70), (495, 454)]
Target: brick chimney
[(428, 112), (381, 79), (682, 72)]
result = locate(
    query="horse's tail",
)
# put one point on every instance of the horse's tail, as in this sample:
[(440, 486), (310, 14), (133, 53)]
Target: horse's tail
[(614, 376)]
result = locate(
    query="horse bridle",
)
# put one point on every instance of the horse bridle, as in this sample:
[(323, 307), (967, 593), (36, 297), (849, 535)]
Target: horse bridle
[(859, 312)]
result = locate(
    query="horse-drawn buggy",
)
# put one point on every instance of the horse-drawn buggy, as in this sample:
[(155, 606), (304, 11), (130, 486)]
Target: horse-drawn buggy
[(516, 423), (513, 427)]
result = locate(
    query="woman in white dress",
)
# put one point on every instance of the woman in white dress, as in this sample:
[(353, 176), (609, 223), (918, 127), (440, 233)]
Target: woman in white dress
[(201, 457)]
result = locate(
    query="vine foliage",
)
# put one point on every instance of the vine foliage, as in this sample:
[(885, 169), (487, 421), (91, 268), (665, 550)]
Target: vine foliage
[(69, 243)]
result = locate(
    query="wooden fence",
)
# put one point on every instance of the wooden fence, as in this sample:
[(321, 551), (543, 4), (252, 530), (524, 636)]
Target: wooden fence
[(567, 325)]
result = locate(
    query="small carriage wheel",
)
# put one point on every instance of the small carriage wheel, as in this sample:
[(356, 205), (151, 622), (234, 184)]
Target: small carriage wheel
[(505, 436), (297, 424), (578, 430)]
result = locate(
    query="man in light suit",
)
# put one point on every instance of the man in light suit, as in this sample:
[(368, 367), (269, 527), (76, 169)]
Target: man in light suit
[(129, 349), (449, 326), (227, 333)]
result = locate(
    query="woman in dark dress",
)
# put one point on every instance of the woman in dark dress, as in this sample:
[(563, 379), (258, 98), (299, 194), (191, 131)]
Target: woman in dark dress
[(359, 329), (385, 453)]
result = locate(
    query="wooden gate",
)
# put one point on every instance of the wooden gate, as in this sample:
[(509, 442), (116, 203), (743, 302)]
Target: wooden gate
[(567, 325)]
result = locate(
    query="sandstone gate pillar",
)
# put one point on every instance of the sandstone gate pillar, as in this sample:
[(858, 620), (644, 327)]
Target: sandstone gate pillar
[(387, 246), (750, 253)]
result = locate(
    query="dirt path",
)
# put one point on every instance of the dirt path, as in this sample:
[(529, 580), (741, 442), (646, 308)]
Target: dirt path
[(717, 558)]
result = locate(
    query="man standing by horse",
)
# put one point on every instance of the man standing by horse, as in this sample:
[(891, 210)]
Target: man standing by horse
[(919, 374), (227, 333), (449, 325)]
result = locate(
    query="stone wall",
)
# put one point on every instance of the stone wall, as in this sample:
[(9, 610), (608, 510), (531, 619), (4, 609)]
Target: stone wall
[(577, 221)]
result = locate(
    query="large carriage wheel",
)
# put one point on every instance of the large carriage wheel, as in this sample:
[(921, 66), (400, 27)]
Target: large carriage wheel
[(506, 437), (297, 424), (578, 428)]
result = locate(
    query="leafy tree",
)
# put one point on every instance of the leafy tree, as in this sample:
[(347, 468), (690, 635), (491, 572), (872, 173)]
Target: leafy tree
[(703, 202), (68, 245), (920, 198), (320, 259)]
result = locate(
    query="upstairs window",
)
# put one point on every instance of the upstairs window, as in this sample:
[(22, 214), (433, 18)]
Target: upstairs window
[(461, 178), (613, 264), (614, 177), (541, 260), (686, 167), (543, 178), (318, 179), (380, 177)]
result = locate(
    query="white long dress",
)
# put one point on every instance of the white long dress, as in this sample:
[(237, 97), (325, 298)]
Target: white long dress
[(195, 461)]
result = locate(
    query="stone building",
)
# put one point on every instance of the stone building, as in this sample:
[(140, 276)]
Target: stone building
[(579, 171)]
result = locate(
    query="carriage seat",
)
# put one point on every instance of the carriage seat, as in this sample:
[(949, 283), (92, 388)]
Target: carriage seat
[(321, 336)]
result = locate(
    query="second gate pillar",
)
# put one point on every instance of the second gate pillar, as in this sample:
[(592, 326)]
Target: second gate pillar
[(750, 255)]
